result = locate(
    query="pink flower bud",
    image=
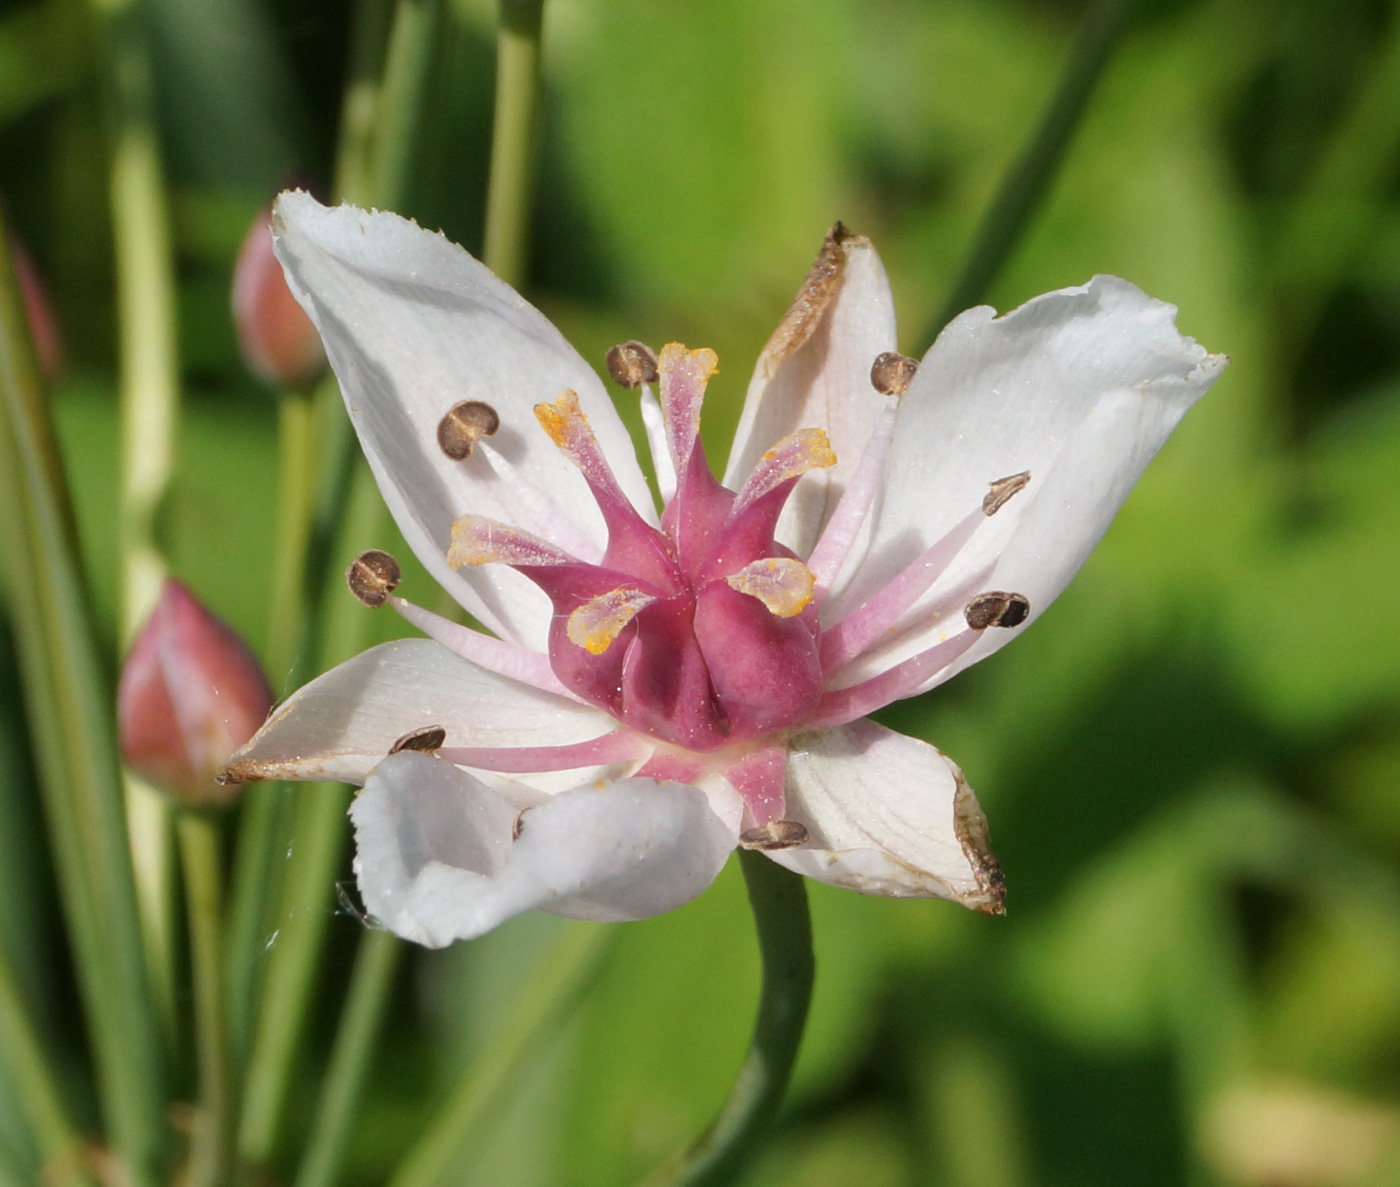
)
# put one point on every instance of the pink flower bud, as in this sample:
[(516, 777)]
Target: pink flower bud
[(278, 341), (191, 694)]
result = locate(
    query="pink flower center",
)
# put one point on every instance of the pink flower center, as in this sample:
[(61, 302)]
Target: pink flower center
[(703, 633)]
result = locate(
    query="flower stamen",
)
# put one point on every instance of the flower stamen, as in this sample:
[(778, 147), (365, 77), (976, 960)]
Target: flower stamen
[(464, 425), (373, 576)]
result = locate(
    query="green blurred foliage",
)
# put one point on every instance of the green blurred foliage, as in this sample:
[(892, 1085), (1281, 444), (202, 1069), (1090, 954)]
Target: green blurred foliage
[(1191, 766)]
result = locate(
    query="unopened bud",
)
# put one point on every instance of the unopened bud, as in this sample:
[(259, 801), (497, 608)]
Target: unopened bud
[(632, 364), (190, 694), (373, 576), (278, 341)]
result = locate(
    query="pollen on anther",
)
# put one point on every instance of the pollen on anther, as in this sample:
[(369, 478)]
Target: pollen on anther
[(996, 608), (892, 373), (632, 364), (1002, 490), (373, 576), (464, 425)]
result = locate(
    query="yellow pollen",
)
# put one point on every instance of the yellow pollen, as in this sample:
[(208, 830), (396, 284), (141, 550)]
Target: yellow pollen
[(561, 418), (595, 624), (782, 584), (673, 354)]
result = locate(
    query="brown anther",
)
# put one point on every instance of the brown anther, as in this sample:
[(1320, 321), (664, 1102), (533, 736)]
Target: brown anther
[(464, 425), (892, 372), (518, 825), (373, 576), (996, 609), (632, 364), (776, 834), (427, 740), (1002, 489)]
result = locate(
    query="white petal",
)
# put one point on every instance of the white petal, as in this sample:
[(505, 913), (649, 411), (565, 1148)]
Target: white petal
[(436, 861), (824, 384), (1081, 387), (413, 325), (343, 722), (888, 815)]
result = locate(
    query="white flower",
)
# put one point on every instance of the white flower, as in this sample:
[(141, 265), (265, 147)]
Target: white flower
[(663, 686)]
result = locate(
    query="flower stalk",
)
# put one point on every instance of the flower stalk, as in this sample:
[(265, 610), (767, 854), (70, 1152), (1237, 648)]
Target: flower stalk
[(1031, 174), (198, 833), (516, 124), (70, 716), (779, 901)]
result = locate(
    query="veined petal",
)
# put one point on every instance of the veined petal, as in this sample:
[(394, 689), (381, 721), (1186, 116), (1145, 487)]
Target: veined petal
[(815, 373), (1079, 387), (413, 326), (888, 815), (442, 857), (344, 722)]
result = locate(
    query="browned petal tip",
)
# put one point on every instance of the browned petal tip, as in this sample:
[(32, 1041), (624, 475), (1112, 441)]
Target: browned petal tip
[(970, 825), (1000, 492)]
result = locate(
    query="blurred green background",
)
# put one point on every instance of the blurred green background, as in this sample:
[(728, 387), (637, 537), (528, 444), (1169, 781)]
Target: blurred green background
[(1191, 766)]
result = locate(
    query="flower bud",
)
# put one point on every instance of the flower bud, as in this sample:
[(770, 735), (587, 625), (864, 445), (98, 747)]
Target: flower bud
[(191, 694), (277, 339)]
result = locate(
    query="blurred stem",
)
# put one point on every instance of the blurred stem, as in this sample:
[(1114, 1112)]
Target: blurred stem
[(317, 843), (199, 854), (70, 714), (149, 409), (411, 42), (1033, 171), (360, 101), (28, 1068), (779, 901), (513, 138), (556, 985), (370, 983), (264, 825)]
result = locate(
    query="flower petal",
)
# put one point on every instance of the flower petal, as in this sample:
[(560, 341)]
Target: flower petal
[(344, 722), (888, 815), (436, 860), (1079, 387), (815, 374), (413, 326)]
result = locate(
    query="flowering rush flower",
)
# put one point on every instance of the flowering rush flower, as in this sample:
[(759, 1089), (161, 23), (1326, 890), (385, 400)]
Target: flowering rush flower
[(661, 685)]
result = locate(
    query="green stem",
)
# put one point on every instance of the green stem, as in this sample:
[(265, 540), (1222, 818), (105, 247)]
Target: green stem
[(779, 901), (199, 853), (509, 193), (29, 1068), (360, 101), (70, 715), (370, 983), (149, 402), (317, 845), (411, 41), (557, 985), (265, 821), (1035, 167)]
